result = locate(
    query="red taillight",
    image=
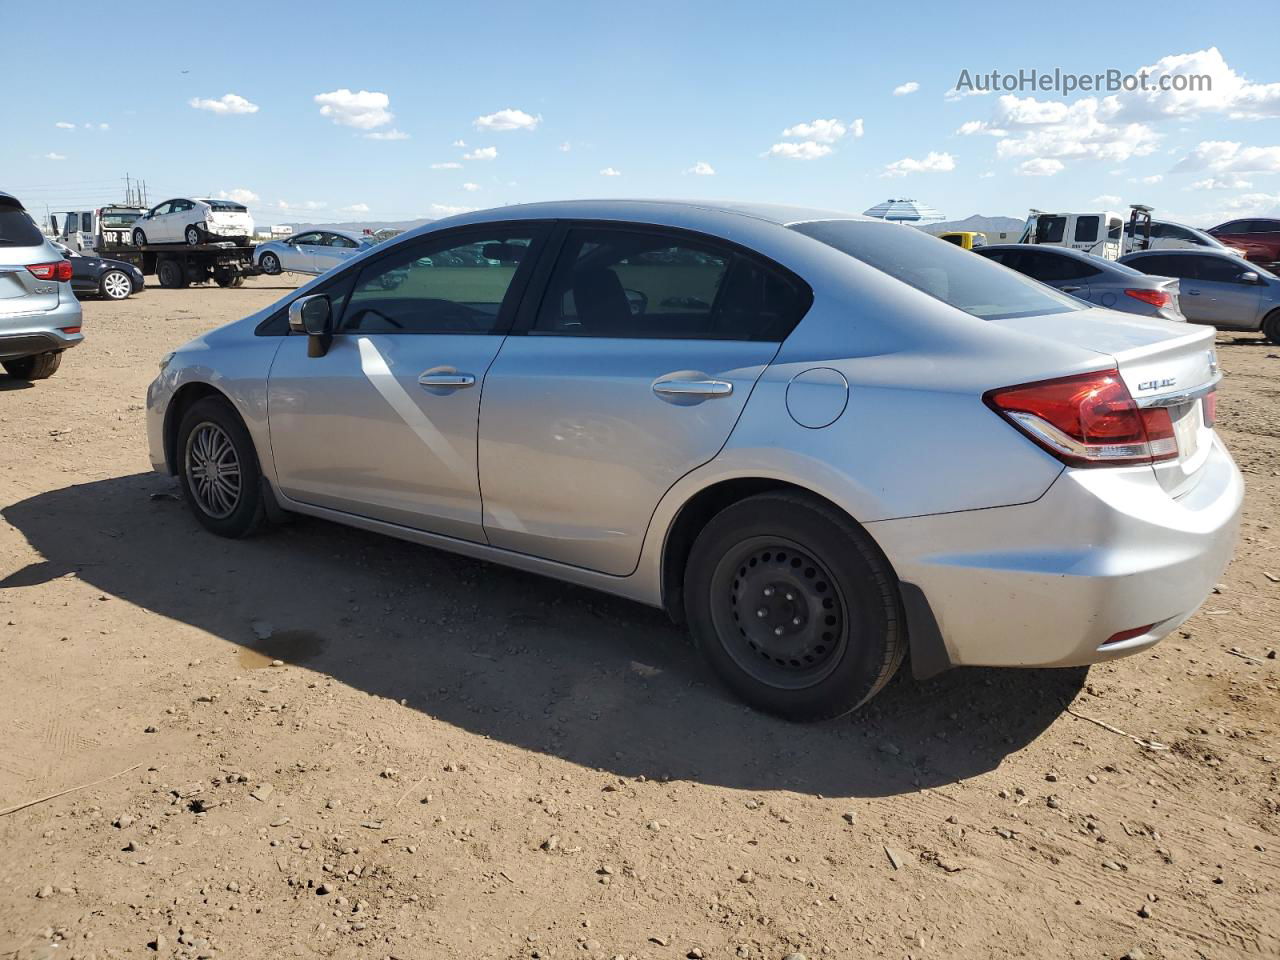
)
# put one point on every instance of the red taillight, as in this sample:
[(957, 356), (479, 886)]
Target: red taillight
[(1124, 635), (1087, 420), (1157, 298), (59, 270), (1211, 409)]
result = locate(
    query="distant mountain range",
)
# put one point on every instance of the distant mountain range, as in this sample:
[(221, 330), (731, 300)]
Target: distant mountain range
[(991, 226), (358, 225)]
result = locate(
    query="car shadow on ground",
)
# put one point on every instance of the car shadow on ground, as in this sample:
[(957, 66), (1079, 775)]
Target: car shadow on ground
[(542, 665), (13, 383)]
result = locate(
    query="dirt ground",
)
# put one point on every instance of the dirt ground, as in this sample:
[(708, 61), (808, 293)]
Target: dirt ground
[(456, 760)]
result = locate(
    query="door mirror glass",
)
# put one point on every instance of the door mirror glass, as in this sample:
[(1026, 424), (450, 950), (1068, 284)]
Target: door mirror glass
[(310, 315), (1249, 277)]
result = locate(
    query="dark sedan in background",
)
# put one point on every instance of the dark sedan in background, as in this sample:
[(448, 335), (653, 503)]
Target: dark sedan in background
[(1218, 288), (110, 279), (1104, 283)]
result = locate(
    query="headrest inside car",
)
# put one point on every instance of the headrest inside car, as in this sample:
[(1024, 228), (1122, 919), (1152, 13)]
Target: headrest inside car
[(506, 252)]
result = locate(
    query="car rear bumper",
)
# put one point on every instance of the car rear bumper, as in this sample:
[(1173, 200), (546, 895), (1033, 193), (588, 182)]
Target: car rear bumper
[(1049, 583), (26, 336)]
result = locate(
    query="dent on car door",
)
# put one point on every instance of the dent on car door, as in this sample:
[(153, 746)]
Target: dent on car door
[(383, 425), (631, 372)]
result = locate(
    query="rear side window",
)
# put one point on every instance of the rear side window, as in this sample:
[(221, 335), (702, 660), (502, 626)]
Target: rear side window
[(1052, 268), (954, 276), (17, 229), (1114, 229), (953, 238), (654, 285), (1087, 229), (1163, 266)]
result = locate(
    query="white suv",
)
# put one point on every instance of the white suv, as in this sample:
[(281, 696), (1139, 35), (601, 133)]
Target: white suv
[(193, 221)]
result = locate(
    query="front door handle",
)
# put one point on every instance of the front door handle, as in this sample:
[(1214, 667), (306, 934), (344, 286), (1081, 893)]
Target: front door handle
[(1193, 293), (692, 389), (1070, 289), (446, 380)]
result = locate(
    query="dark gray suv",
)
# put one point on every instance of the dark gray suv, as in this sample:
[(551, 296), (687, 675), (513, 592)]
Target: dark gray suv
[(39, 313)]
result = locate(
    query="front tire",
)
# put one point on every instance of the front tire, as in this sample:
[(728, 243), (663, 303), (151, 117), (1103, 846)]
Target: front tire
[(218, 469), (794, 607), (270, 264), (1271, 326), (139, 238), (115, 285), (192, 235), (42, 366)]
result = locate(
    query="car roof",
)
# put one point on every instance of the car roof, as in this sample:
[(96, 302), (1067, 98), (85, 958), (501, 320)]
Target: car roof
[(1182, 252), (649, 211), (1045, 248), (9, 198)]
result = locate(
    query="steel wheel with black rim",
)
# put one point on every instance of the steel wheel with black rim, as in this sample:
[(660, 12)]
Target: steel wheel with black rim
[(115, 285), (794, 606), (218, 469)]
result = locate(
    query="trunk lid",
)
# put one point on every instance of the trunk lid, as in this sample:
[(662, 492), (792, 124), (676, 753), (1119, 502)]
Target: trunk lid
[(1172, 365), (21, 293)]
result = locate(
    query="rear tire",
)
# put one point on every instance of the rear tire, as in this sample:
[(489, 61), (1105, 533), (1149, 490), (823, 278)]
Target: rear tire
[(218, 469), (42, 366), (1271, 326), (224, 279), (139, 238), (115, 285), (192, 235), (172, 274), (794, 607)]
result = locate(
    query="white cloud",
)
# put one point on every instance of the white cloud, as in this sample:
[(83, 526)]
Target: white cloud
[(101, 126), (970, 127), (1227, 91), (566, 147), (364, 109), (445, 210), (447, 165), (54, 156), (458, 143), (805, 150), (508, 119), (1154, 178), (355, 208), (933, 163), (392, 134), (481, 153), (986, 174), (954, 94), (1228, 156), (63, 125), (238, 195), (1052, 128), (702, 169), (824, 131), (610, 172), (226, 104), (305, 205), (471, 187), (905, 88), (1040, 167), (1214, 183), (1107, 200)]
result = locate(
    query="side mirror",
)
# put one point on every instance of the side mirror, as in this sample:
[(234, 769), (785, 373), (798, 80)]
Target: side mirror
[(313, 316), (1249, 276)]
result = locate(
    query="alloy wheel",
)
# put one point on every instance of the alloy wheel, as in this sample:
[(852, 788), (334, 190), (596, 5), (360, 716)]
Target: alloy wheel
[(213, 470), (116, 285)]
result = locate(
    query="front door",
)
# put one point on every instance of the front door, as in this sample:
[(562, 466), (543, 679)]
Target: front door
[(384, 425), (632, 372), (1217, 295)]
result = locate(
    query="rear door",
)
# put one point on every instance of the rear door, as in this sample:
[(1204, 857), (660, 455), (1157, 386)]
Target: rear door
[(631, 371)]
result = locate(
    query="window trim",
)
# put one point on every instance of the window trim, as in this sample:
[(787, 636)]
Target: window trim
[(511, 301), (540, 278)]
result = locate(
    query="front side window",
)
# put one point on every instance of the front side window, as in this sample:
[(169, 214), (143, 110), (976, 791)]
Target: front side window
[(1087, 229), (430, 286), (653, 285), (1217, 269), (310, 239), (86, 222), (161, 210), (956, 277), (1114, 229), (1050, 229)]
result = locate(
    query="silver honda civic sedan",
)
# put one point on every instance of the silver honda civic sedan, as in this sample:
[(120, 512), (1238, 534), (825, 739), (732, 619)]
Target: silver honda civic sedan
[(821, 441)]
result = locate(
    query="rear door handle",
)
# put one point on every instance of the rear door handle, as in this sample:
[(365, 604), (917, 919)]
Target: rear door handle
[(692, 389), (1070, 289), (446, 380), (1193, 293)]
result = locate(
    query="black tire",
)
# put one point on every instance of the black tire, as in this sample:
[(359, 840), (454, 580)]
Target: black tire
[(216, 418), (139, 238), (1271, 326), (172, 274), (794, 607), (224, 279), (270, 264), (193, 235), (115, 285), (238, 280), (42, 366)]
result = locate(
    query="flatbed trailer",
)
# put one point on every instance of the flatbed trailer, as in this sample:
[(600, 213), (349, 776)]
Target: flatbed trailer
[(176, 265)]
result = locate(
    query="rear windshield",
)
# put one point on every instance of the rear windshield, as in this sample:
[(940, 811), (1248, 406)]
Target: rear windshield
[(227, 205), (951, 274), (17, 229)]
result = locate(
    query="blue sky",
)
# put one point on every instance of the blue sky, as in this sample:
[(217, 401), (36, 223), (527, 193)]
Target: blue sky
[(676, 99)]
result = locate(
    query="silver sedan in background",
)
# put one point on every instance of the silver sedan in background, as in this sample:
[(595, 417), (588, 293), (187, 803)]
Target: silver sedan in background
[(1105, 283), (819, 440), (1218, 288), (314, 252)]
